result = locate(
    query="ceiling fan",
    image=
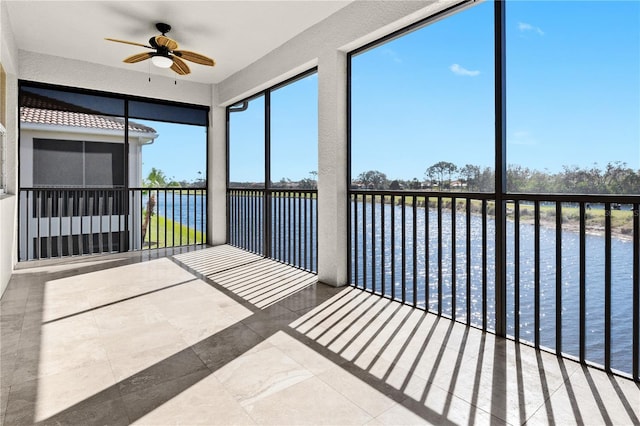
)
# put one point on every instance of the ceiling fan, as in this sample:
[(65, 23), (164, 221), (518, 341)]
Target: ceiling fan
[(166, 53)]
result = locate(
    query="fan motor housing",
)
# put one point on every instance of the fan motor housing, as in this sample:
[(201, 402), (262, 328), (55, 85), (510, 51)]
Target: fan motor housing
[(163, 28)]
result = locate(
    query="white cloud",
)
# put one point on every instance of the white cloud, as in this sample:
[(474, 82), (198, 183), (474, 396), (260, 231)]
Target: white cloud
[(523, 27), (521, 137), (392, 55), (457, 69)]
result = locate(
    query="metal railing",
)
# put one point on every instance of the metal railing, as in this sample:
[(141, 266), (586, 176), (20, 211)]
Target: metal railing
[(179, 216), (568, 261), (246, 219), (276, 223), (72, 221)]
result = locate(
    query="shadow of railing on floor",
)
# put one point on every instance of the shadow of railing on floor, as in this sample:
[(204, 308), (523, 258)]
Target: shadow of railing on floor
[(633, 415), (373, 346)]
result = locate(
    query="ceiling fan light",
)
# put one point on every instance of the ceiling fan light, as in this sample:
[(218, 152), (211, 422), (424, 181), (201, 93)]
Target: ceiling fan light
[(162, 61)]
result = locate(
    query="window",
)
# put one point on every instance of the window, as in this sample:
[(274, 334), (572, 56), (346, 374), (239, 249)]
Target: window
[(247, 144), (81, 155), (86, 164), (3, 160), (573, 127), (422, 107), (422, 128), (573, 97), (291, 146), (294, 134), (272, 157), (3, 132)]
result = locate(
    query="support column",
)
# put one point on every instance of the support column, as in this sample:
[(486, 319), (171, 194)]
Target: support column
[(217, 174), (332, 169)]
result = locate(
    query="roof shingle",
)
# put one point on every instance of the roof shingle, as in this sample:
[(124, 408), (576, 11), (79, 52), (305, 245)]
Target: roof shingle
[(38, 109)]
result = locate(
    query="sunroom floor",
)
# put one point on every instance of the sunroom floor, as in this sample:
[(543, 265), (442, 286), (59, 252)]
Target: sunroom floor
[(222, 336)]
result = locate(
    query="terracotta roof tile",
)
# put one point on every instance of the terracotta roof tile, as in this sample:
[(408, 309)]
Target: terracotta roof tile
[(39, 109)]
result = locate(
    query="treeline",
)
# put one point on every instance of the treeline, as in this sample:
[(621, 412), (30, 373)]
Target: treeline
[(310, 182), (157, 179), (615, 178)]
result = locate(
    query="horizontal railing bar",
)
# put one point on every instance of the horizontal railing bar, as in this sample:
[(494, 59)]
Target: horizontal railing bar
[(167, 188), (420, 193), (575, 198), (509, 197), (73, 188)]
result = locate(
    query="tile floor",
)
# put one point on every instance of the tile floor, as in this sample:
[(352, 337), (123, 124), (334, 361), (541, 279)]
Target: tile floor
[(221, 336)]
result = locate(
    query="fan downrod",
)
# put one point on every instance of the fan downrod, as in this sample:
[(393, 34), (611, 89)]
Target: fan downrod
[(163, 28)]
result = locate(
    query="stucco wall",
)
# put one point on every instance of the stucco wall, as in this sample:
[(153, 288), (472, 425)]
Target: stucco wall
[(49, 69), (8, 220), (326, 45), (7, 246), (217, 176), (68, 72), (353, 26)]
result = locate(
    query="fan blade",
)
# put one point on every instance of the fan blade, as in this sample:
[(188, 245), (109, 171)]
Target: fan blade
[(138, 57), (179, 66), (129, 42), (166, 42), (195, 57)]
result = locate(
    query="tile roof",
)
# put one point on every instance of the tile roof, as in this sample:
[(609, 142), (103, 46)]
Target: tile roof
[(40, 109)]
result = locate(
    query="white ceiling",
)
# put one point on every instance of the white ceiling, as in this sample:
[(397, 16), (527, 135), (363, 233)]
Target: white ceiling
[(234, 33)]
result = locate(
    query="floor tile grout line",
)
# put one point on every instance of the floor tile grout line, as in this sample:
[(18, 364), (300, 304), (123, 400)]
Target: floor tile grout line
[(95, 308), (115, 383), (551, 391), (547, 400)]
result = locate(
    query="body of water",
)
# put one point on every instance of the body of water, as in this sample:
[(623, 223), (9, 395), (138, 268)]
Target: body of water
[(190, 210), (373, 255), (430, 264)]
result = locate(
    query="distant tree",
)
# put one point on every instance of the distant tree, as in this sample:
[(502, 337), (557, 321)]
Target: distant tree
[(307, 183), (310, 182), (486, 180), (617, 177), (373, 179), (395, 185), (471, 175), (155, 179), (284, 183), (517, 178), (439, 170), (199, 182), (415, 184)]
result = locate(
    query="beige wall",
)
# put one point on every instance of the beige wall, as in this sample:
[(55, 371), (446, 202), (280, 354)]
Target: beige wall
[(323, 45), (8, 217), (49, 69), (326, 45)]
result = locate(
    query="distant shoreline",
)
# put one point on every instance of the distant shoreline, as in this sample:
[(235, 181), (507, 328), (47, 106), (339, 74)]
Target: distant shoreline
[(570, 223)]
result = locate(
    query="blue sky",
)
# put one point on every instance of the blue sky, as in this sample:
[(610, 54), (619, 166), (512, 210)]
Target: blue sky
[(573, 90), (294, 129), (573, 98), (179, 150)]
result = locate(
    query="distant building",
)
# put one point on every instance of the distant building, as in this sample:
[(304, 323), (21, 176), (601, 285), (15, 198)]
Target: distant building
[(64, 151)]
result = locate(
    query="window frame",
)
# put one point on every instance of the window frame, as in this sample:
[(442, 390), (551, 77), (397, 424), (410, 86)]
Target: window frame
[(3, 160), (126, 98), (241, 105)]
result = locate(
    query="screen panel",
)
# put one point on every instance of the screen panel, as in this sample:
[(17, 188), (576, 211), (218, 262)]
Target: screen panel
[(104, 166), (57, 163)]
